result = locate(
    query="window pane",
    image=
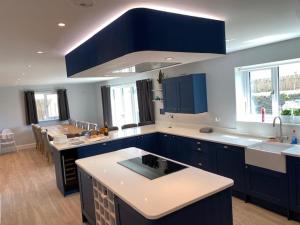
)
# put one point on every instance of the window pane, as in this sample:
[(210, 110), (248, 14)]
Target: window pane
[(52, 106), (40, 106), (47, 106), (289, 87), (261, 91), (124, 105)]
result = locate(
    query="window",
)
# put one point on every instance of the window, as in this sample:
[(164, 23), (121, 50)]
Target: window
[(47, 106), (124, 104), (274, 88)]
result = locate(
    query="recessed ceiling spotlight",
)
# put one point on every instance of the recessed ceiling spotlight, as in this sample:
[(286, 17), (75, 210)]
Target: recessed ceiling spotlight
[(169, 58), (19, 79), (39, 52), (29, 66), (83, 3), (61, 24), (23, 74)]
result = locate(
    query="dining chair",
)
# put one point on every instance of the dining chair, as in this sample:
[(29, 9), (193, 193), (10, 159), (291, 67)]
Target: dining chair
[(130, 125), (140, 124), (46, 145), (39, 138), (34, 131), (92, 126), (113, 128)]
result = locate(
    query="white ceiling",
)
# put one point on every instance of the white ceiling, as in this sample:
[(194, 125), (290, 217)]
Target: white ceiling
[(30, 26)]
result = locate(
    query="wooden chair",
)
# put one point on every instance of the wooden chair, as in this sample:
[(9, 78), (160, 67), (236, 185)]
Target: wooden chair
[(130, 125), (46, 145)]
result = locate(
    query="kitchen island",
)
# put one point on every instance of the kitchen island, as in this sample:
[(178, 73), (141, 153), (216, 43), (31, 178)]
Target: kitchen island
[(114, 194)]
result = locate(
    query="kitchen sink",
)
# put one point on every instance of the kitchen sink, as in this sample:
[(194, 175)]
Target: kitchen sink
[(267, 155)]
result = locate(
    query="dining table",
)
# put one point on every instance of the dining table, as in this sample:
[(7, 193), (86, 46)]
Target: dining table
[(63, 129)]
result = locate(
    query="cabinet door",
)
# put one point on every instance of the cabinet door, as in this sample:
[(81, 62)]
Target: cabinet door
[(148, 143), (267, 185), (293, 172), (168, 146), (186, 94), (170, 92), (87, 196), (230, 163)]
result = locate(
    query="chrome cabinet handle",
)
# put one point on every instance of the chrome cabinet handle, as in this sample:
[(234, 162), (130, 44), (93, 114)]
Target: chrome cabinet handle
[(225, 146), (198, 143), (104, 144), (199, 164), (199, 149), (165, 135)]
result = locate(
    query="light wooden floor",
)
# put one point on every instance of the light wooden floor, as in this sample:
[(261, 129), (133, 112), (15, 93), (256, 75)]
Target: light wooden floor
[(28, 196)]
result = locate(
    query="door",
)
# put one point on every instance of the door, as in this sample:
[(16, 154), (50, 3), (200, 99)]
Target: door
[(170, 92)]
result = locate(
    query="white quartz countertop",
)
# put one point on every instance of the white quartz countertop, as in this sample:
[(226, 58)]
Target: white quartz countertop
[(293, 151), (218, 137), (152, 198)]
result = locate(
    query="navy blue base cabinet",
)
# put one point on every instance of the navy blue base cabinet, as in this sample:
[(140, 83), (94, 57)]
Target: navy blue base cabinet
[(267, 188), (230, 162), (213, 210), (86, 197), (293, 172)]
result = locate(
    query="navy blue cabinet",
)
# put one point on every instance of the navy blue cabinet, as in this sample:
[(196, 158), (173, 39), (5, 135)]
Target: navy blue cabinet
[(168, 146), (100, 148), (293, 172), (185, 94), (269, 186), (213, 210), (86, 197), (230, 162)]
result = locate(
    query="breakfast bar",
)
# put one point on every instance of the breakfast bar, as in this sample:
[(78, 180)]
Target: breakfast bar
[(134, 187)]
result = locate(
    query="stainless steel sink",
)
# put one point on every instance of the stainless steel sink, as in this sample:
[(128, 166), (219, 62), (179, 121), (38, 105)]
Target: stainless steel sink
[(267, 155)]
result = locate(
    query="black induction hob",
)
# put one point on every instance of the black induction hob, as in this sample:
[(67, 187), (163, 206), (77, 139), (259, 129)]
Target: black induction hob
[(151, 166)]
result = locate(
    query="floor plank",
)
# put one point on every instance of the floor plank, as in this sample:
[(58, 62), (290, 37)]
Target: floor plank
[(28, 196)]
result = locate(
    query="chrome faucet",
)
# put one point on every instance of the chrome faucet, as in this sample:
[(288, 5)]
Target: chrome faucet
[(280, 127)]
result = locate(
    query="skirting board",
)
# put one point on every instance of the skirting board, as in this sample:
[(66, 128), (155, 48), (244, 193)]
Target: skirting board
[(26, 146)]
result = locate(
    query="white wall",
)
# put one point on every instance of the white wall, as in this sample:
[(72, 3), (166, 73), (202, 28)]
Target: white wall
[(221, 85), (82, 103)]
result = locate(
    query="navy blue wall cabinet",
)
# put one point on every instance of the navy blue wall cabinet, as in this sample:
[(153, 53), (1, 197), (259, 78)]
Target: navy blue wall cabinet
[(293, 172), (143, 29), (269, 186), (86, 197), (230, 162), (185, 94), (214, 210)]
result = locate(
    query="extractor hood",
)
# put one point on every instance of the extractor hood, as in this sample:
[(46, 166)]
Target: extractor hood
[(145, 39)]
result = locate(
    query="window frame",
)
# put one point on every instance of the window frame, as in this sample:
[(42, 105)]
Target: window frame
[(48, 118), (243, 79), (134, 106)]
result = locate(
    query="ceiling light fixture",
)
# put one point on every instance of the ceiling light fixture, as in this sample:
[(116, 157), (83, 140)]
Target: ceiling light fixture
[(40, 52), (29, 66), (139, 5), (61, 24)]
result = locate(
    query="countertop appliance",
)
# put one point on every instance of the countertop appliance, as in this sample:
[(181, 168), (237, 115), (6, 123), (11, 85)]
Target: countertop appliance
[(151, 166)]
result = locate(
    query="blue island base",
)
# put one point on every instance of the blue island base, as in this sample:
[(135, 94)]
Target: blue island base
[(214, 210)]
